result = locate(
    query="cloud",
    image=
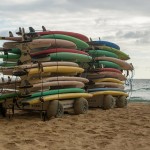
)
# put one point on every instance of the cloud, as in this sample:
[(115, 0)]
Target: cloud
[(139, 37), (71, 6)]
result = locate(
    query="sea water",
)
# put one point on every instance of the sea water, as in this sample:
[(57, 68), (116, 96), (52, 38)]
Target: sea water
[(139, 90)]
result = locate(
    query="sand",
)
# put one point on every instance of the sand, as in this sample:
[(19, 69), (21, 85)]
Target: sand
[(115, 129)]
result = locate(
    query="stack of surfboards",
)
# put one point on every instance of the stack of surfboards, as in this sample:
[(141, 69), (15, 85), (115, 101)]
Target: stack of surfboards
[(52, 67), (63, 55), (107, 76), (14, 54), (47, 68)]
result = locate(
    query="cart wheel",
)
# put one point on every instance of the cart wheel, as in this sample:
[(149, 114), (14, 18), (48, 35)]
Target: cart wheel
[(60, 110), (80, 106), (108, 102), (121, 102), (3, 111), (51, 109), (54, 109)]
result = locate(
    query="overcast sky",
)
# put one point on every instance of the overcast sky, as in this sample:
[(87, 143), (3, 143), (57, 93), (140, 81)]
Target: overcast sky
[(125, 22)]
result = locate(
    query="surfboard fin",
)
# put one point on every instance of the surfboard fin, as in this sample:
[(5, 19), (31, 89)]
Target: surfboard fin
[(31, 29), (90, 39), (44, 29), (11, 34), (19, 32)]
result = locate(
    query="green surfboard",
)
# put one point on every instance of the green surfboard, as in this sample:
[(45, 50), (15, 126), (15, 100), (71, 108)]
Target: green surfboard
[(8, 64), (9, 56), (57, 91), (6, 96), (79, 43), (66, 56), (107, 64), (53, 92), (15, 51), (120, 54), (100, 53)]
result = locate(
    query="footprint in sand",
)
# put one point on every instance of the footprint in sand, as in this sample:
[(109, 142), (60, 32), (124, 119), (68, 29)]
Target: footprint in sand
[(11, 146), (91, 131)]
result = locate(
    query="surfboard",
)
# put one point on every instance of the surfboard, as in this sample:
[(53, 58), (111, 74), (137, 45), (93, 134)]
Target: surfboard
[(113, 75), (47, 64), (54, 43), (79, 43), (66, 56), (120, 54), (106, 74), (8, 64), (108, 80), (113, 93), (42, 58), (58, 43), (37, 43), (57, 91), (12, 85), (76, 84), (105, 89), (57, 50), (7, 70), (13, 50), (11, 38), (54, 69), (57, 97), (8, 95), (9, 79), (124, 65), (9, 56), (109, 69), (73, 34), (106, 64), (106, 85), (104, 43), (100, 53), (59, 78)]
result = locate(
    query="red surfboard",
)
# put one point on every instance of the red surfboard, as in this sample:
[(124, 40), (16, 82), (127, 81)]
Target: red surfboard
[(55, 50), (73, 34)]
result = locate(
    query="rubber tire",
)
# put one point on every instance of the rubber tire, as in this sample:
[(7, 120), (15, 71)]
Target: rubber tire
[(52, 109), (121, 102), (108, 102), (80, 106), (3, 111)]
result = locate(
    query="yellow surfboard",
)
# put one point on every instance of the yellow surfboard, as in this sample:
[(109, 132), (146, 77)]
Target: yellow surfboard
[(108, 80), (55, 69), (113, 93), (58, 97)]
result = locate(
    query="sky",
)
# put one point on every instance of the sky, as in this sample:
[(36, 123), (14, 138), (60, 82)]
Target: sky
[(124, 22)]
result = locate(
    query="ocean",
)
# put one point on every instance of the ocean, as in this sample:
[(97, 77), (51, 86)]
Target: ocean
[(139, 90)]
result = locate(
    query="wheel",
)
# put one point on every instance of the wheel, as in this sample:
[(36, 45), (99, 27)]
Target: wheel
[(80, 106), (121, 102), (108, 102), (3, 111), (54, 109)]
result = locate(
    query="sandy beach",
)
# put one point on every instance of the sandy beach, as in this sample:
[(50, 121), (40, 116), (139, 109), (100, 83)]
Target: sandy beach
[(115, 129)]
